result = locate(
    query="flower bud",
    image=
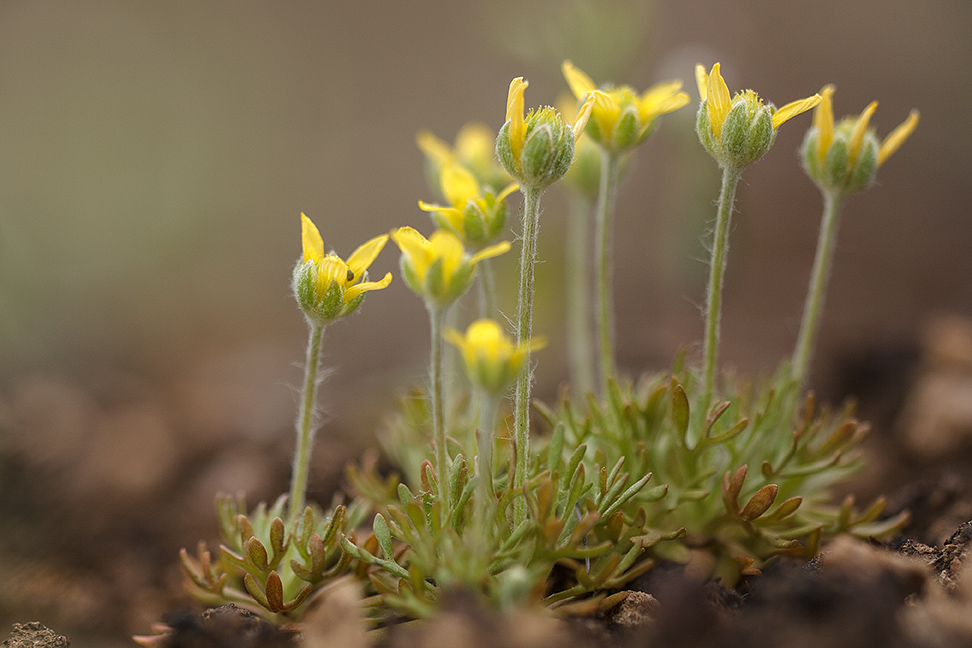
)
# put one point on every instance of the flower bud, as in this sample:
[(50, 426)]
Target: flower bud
[(537, 149), (438, 269), (621, 118), (844, 158), (477, 215), (491, 359), (325, 286), (738, 131)]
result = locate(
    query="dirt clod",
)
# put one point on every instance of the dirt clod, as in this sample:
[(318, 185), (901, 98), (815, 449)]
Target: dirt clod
[(34, 635)]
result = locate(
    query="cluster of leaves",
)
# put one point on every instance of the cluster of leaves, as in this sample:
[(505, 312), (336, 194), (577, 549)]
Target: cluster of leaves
[(614, 487), (267, 563), (738, 516)]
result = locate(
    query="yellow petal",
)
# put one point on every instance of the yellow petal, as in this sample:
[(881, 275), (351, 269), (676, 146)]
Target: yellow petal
[(451, 214), (580, 122), (311, 239), (605, 111), (536, 343), (897, 137), (435, 150), (364, 287), (475, 141), (514, 115), (701, 80), (446, 246), (718, 98), (459, 186), (659, 94), (363, 257), (860, 128), (491, 251), (413, 245), (580, 84), (510, 188), (429, 207), (793, 109), (823, 121), (454, 337)]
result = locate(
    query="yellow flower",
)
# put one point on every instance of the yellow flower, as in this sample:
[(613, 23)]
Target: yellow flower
[(739, 130), (474, 149), (845, 157), (438, 269), (475, 214), (492, 360), (620, 117), (328, 287), (537, 148)]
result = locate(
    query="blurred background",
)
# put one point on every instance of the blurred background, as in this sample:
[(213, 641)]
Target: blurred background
[(155, 158)]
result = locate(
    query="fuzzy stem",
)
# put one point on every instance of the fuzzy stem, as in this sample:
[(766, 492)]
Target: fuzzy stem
[(605, 308), (524, 330), (717, 268), (305, 421), (486, 287), (580, 334), (813, 307), (486, 427), (436, 320)]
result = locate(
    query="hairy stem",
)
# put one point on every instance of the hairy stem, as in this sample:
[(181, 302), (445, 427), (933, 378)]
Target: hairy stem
[(436, 320), (524, 330), (603, 218), (305, 421), (717, 268), (580, 333), (819, 276)]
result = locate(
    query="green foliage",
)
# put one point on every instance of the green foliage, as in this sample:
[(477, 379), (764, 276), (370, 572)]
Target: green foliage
[(269, 564), (613, 489)]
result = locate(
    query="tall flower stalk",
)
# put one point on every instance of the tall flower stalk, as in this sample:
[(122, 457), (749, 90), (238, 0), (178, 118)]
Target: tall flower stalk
[(621, 119), (841, 159), (736, 131), (327, 288), (536, 149), (439, 270)]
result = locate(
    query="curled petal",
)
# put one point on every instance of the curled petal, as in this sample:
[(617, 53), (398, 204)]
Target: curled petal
[(492, 251), (701, 80), (793, 109), (514, 115), (365, 255), (357, 289), (897, 137), (662, 98), (860, 128), (580, 122), (313, 244), (718, 98), (459, 186), (435, 150), (823, 121), (412, 244), (510, 188), (580, 84)]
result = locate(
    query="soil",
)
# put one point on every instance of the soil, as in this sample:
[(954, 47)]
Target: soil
[(99, 563)]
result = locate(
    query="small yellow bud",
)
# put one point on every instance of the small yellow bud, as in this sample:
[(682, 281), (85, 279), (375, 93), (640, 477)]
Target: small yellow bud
[(621, 118), (537, 148), (327, 287), (491, 359), (475, 214), (438, 269), (737, 131), (844, 157)]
